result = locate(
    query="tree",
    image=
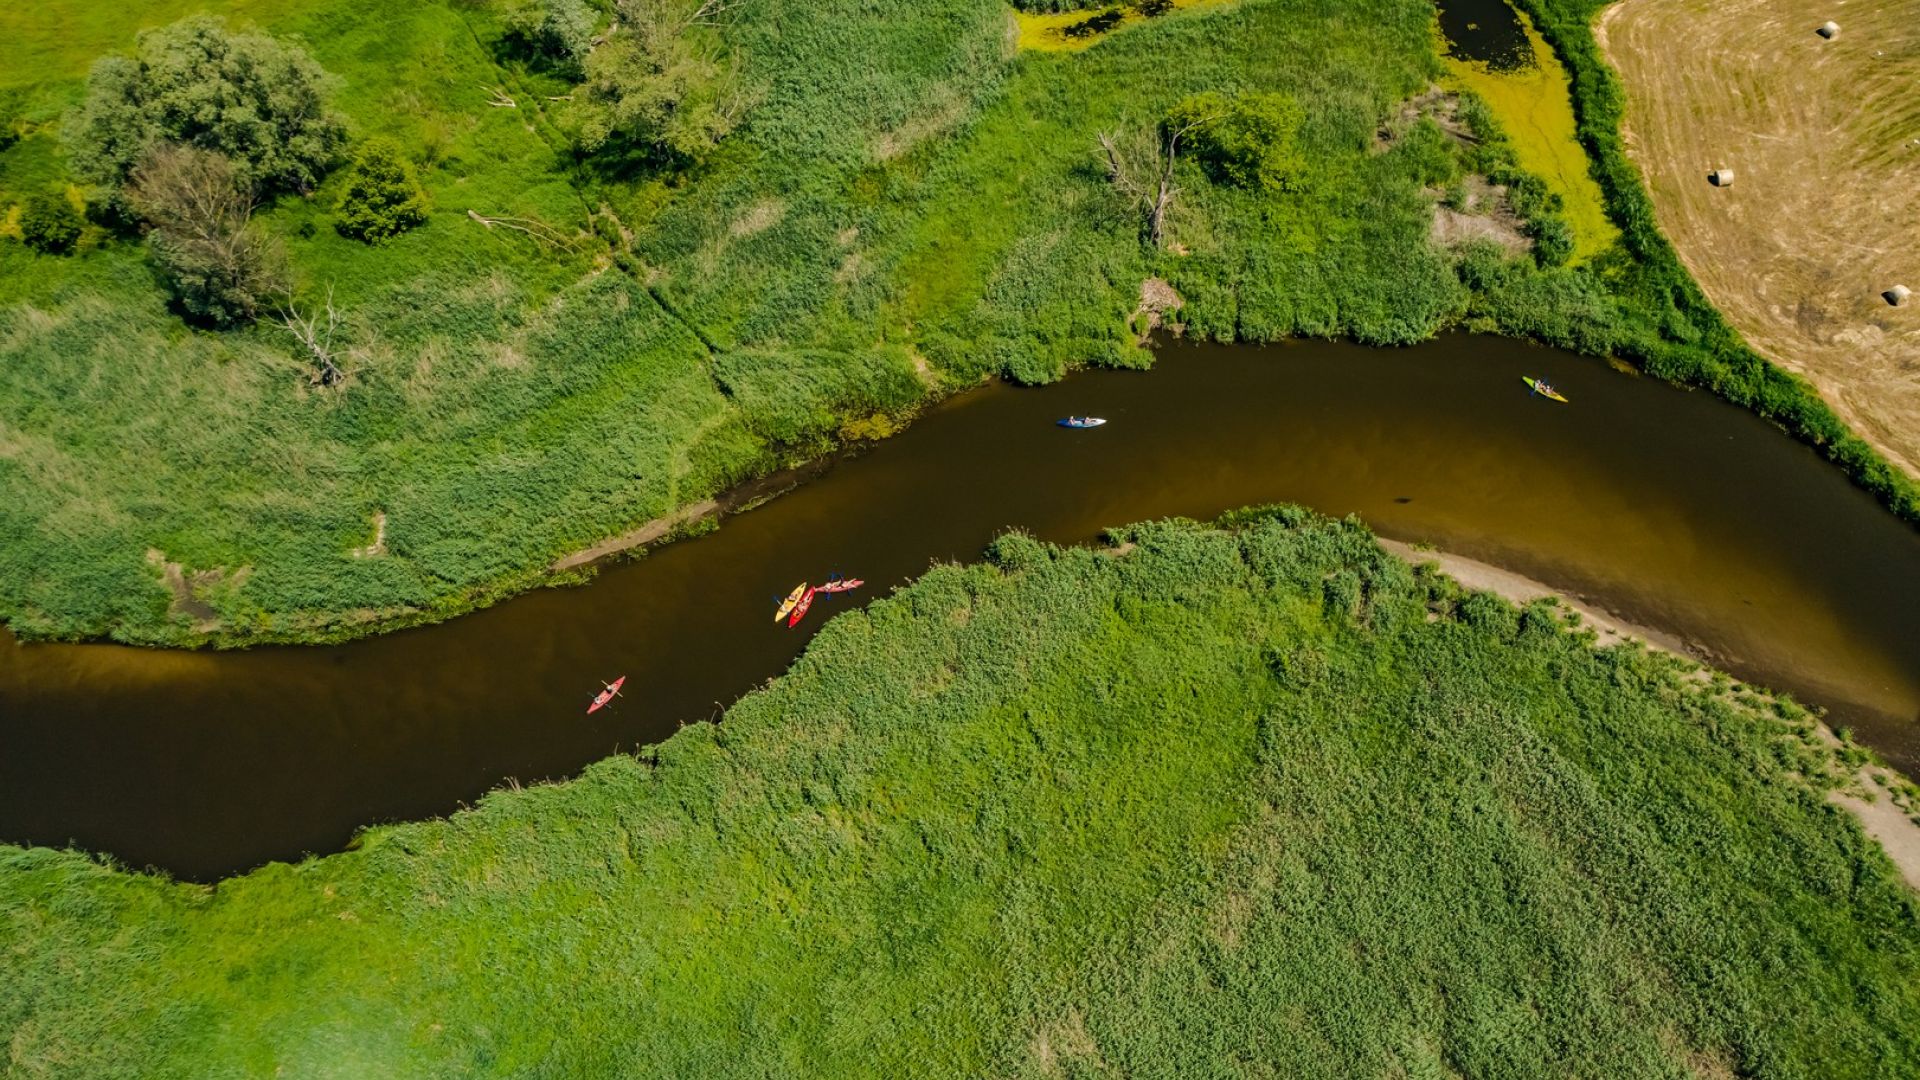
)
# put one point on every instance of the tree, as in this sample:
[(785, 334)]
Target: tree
[(260, 103), (220, 266), (658, 83), (383, 198), (1247, 141), (557, 31), (1141, 170), (49, 224), (315, 334)]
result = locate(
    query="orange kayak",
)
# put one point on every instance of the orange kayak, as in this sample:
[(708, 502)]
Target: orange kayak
[(800, 609), (792, 599), (842, 585), (600, 700)]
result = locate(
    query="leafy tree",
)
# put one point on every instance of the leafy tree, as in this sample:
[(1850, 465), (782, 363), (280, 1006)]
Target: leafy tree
[(558, 31), (49, 224), (658, 84), (221, 268), (383, 198), (1249, 140), (256, 101)]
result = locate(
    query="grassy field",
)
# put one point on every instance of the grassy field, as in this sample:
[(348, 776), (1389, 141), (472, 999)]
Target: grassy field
[(1824, 139), (1262, 802), (913, 203)]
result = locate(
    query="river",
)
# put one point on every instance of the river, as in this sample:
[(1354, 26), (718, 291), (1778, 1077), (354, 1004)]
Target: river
[(1671, 509)]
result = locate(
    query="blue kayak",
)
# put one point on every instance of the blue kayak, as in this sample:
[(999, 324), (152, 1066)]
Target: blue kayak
[(1081, 422)]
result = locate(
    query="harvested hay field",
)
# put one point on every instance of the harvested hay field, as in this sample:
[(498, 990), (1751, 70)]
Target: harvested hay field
[(1824, 139)]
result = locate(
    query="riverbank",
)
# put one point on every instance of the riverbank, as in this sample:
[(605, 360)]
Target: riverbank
[(1675, 509), (1799, 251), (1682, 337), (1121, 812), (1886, 804)]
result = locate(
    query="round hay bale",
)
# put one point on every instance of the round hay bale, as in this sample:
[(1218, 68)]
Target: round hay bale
[(1720, 178), (1829, 30), (1897, 296)]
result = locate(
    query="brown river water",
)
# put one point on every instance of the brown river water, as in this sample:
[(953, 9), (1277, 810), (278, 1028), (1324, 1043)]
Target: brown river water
[(1670, 509)]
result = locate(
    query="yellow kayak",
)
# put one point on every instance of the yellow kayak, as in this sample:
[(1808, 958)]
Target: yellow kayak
[(1539, 386), (792, 601)]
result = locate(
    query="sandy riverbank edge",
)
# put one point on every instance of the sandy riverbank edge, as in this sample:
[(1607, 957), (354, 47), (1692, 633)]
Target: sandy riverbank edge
[(1896, 833)]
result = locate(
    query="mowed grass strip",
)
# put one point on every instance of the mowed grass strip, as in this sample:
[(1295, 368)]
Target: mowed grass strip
[(1263, 801)]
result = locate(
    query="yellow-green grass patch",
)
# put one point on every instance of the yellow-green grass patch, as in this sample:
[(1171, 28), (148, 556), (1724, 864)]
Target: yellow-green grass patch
[(1046, 31), (1534, 104)]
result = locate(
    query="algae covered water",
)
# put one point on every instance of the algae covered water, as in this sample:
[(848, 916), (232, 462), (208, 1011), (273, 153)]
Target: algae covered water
[(1671, 509)]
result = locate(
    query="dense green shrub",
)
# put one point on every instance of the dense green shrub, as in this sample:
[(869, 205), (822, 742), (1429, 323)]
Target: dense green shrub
[(382, 197), (260, 102), (1248, 140), (49, 224), (558, 32), (1552, 238)]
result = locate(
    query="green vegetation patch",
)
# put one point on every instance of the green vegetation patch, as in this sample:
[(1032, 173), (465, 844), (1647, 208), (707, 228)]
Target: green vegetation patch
[(1265, 802)]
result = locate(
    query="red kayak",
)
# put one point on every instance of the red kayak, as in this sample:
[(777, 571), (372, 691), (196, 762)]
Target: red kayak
[(843, 585), (800, 609), (600, 700)]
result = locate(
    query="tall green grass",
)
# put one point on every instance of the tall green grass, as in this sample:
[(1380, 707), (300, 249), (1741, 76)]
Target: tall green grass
[(1259, 802)]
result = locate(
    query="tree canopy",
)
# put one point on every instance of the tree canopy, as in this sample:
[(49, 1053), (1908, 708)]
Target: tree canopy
[(259, 102), (559, 32), (1247, 140), (383, 198), (220, 266), (659, 84)]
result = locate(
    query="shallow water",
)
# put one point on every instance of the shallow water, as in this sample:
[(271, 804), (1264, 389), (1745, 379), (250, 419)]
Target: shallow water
[(1672, 509), (1487, 31)]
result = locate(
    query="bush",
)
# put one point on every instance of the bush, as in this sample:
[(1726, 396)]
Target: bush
[(383, 198), (1246, 141), (260, 103), (557, 31), (1552, 239), (49, 224)]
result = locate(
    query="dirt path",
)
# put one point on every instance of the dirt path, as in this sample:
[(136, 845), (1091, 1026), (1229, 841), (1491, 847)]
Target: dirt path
[(645, 534), (1821, 217), (1896, 833)]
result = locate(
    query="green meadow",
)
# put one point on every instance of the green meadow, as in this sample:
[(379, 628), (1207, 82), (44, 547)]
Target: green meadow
[(1258, 800), (911, 203)]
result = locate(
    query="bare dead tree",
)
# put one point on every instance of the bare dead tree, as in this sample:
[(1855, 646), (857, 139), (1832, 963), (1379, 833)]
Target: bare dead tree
[(540, 233), (1145, 176), (201, 211), (315, 334), (710, 12)]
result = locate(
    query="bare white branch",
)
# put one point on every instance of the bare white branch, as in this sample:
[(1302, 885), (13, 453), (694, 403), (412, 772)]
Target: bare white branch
[(315, 333)]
